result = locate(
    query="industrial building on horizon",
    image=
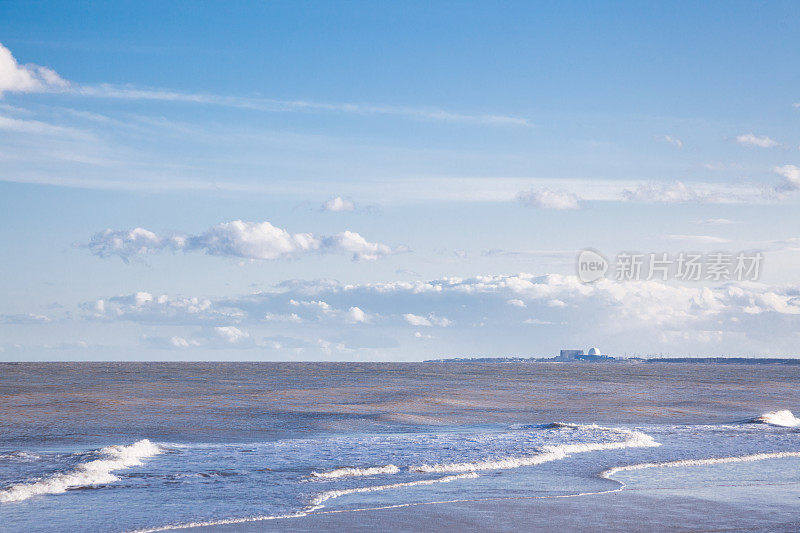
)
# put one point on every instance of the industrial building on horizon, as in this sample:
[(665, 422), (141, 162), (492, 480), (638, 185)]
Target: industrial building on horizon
[(579, 355)]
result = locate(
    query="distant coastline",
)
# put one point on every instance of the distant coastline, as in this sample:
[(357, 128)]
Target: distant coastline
[(705, 360)]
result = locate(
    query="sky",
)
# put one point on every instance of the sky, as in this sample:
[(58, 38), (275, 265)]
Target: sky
[(396, 181)]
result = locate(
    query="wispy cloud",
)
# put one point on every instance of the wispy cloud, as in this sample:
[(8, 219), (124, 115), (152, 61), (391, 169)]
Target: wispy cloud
[(246, 240), (35, 78), (696, 239), (752, 140), (679, 192), (715, 221), (272, 105), (677, 143)]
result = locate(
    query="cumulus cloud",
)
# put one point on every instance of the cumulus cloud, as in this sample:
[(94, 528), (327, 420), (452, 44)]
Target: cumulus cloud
[(26, 78), (356, 315), (338, 204), (791, 178), (516, 302), (677, 143), (146, 308), (216, 337), (427, 321), (754, 141), (546, 198), (246, 240)]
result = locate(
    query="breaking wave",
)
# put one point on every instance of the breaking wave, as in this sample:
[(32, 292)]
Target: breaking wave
[(632, 439), (347, 472), (783, 418), (91, 473), (700, 462), (330, 494)]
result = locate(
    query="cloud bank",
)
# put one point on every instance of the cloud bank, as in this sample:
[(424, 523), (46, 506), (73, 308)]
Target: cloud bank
[(245, 240), (497, 314)]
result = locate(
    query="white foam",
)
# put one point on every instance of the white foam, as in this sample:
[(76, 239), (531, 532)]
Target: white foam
[(700, 462), (329, 495), (223, 522), (19, 456), (783, 418), (632, 439), (348, 472), (87, 474)]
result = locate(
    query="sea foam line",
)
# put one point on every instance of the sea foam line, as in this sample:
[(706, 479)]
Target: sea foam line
[(330, 494), (699, 462), (87, 474), (633, 439), (316, 503), (348, 471)]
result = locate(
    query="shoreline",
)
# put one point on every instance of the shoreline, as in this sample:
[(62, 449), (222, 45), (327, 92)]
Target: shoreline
[(630, 509)]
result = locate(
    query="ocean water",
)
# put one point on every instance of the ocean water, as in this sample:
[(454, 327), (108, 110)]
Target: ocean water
[(152, 447)]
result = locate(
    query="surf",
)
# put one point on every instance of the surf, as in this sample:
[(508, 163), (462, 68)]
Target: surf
[(88, 474)]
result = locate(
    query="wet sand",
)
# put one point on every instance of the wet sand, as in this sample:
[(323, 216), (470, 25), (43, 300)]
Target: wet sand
[(628, 510)]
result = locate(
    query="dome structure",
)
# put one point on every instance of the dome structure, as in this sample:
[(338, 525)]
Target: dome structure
[(594, 351)]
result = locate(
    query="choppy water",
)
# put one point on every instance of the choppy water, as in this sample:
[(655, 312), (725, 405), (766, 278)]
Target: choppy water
[(125, 447)]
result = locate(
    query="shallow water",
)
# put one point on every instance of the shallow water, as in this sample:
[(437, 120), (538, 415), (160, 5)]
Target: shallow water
[(230, 442)]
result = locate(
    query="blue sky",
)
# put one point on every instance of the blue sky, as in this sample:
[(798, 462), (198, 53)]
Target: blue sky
[(412, 180)]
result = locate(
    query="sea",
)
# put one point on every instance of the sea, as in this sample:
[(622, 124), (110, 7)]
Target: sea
[(124, 447)]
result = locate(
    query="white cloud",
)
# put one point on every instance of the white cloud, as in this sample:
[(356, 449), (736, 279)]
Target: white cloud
[(516, 302), (677, 143), (247, 240), (428, 321), (754, 141), (696, 239), (25, 78), (338, 204), (679, 192), (356, 315), (546, 198), (277, 106), (715, 221), (28, 318), (791, 175), (146, 308), (648, 316)]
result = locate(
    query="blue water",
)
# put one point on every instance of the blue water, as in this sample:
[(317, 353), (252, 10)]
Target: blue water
[(96, 474)]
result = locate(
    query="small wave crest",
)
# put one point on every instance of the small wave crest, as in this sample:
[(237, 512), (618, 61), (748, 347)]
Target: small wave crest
[(19, 456), (784, 418), (352, 471), (330, 494), (700, 462), (631, 439), (91, 473)]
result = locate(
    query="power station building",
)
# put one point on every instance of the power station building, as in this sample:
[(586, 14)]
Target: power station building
[(579, 355)]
